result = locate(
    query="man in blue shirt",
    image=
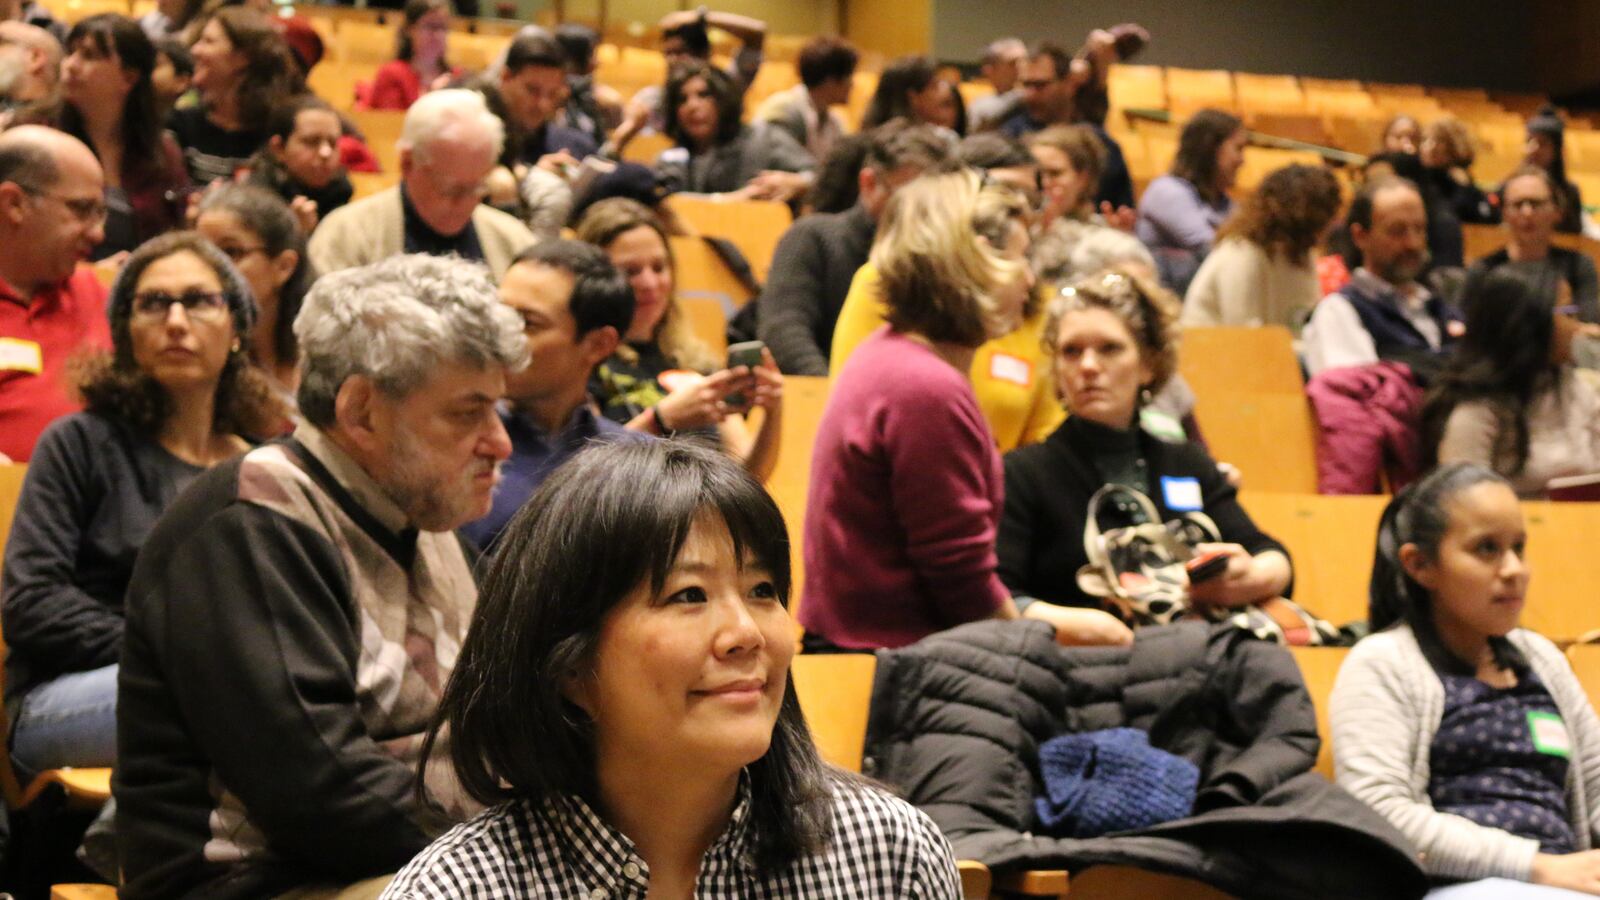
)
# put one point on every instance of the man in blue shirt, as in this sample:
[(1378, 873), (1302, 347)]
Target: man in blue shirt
[(575, 306)]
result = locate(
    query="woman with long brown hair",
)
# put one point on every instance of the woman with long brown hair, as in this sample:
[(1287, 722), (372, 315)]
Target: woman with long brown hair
[(242, 67), (663, 378)]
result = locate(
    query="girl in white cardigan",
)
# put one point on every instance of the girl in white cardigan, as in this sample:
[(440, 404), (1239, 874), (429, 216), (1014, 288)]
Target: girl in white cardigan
[(1471, 735)]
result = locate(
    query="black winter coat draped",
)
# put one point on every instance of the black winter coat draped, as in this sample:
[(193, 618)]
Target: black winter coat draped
[(957, 720)]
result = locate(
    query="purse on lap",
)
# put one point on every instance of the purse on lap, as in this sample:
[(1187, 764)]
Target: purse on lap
[(1138, 571)]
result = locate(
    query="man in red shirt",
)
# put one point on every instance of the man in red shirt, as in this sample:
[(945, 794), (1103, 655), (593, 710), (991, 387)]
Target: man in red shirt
[(52, 214)]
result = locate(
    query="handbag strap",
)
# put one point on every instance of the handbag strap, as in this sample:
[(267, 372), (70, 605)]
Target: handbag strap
[(1091, 529)]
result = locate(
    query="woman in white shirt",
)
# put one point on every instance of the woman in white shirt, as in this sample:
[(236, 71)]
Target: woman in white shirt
[(1261, 271)]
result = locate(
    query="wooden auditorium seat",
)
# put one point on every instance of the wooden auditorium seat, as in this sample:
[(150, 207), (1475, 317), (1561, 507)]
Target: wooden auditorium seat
[(1585, 660), (1136, 87), (644, 148), (381, 128), (698, 271), (754, 226), (804, 399), (1319, 666), (835, 692), (1330, 540), (83, 892), (1251, 406), (1565, 569), (1192, 89)]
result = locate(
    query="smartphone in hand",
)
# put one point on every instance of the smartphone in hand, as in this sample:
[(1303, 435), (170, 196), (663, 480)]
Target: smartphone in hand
[(749, 354), (1206, 566)]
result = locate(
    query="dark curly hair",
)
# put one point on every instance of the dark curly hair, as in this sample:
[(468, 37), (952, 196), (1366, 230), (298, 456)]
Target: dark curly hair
[(1288, 212), (113, 385), (728, 97)]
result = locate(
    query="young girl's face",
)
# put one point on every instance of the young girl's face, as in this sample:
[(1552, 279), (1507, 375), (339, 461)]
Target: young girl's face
[(1479, 578)]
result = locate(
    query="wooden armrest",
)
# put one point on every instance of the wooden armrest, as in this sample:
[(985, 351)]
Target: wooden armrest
[(1033, 883), (975, 879)]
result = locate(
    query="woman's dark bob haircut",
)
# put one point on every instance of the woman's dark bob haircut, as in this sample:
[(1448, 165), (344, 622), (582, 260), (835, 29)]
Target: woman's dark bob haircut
[(608, 521), (727, 96)]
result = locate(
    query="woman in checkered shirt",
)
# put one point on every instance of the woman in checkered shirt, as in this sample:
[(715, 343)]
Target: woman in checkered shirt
[(622, 702)]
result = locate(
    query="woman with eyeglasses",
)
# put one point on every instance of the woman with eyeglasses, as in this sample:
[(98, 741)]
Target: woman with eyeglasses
[(1531, 207), (107, 102), (176, 395), (255, 229)]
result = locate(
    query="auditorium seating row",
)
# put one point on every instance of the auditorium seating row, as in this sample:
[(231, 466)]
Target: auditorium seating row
[(1342, 114)]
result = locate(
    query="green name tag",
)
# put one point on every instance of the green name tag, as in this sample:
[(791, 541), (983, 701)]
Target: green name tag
[(1549, 734)]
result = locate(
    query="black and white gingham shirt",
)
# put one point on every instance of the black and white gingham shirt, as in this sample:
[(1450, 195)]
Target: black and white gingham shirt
[(882, 847)]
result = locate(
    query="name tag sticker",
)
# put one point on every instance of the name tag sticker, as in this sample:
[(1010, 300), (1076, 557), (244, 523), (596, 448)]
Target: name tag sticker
[(1182, 494), (1005, 367), (1549, 734), (17, 355)]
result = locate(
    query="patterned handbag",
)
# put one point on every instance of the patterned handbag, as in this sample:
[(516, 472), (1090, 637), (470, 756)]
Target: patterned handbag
[(1138, 571)]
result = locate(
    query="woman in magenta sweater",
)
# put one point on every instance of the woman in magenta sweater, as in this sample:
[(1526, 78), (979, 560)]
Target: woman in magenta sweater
[(906, 484)]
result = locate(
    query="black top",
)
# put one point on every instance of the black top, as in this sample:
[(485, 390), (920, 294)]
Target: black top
[(1048, 486), (1575, 268), (806, 287), (1500, 759), (421, 238), (93, 493), (270, 174), (211, 152)]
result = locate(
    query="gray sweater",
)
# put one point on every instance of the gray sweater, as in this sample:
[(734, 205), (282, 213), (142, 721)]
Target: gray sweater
[(1384, 713)]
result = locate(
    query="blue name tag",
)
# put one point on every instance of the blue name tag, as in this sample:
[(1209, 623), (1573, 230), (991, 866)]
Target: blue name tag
[(1182, 494)]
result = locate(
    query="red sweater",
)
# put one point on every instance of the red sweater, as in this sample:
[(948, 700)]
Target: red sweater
[(904, 502), (37, 337)]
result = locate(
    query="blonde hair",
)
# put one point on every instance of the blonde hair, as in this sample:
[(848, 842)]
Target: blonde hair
[(937, 279), (608, 220), (1148, 310)]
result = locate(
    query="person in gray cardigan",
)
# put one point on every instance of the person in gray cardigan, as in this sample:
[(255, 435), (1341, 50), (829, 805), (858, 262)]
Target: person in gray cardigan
[(716, 153), (1471, 735)]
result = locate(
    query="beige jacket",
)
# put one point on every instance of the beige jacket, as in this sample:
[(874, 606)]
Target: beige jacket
[(373, 228)]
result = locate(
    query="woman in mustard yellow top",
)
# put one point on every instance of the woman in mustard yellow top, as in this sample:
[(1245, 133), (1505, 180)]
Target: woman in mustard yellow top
[(1010, 374)]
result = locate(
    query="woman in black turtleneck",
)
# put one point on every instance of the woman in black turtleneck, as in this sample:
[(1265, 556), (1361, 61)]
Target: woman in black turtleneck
[(1113, 336)]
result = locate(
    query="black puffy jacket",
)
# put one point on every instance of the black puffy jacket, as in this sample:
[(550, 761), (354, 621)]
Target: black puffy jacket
[(957, 720)]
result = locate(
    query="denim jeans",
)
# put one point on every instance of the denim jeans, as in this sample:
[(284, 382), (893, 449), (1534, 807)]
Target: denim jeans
[(1502, 889), (70, 721)]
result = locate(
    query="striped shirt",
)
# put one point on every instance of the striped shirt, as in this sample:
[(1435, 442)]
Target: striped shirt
[(882, 847)]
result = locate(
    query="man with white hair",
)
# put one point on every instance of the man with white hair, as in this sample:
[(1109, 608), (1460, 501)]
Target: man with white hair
[(293, 617), (449, 143), (30, 61)]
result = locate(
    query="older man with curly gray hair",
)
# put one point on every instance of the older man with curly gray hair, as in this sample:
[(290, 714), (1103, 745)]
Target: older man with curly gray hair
[(293, 617)]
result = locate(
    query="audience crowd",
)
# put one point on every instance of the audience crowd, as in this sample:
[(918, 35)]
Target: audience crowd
[(413, 540)]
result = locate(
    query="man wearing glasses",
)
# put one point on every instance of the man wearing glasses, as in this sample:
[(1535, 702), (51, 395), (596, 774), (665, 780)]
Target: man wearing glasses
[(448, 144), (52, 215)]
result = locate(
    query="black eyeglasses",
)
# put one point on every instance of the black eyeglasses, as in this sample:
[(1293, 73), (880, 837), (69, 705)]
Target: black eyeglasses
[(199, 306), (85, 210)]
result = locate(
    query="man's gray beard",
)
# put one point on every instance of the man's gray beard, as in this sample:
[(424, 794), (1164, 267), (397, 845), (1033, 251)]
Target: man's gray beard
[(426, 501)]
